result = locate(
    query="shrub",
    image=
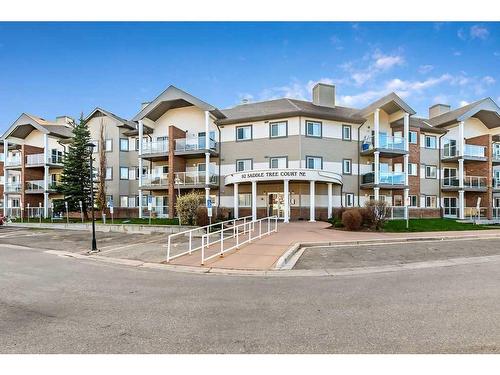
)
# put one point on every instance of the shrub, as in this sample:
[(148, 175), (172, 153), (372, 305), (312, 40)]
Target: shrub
[(187, 207), (367, 216), (377, 213), (337, 213), (352, 219)]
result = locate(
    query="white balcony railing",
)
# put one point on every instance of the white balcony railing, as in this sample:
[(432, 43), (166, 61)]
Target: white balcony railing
[(154, 147), (34, 185), (450, 150), (386, 178), (475, 151), (495, 153), (471, 182), (474, 213), (13, 161), (39, 159), (387, 142), (159, 180), (194, 144), (496, 183), (194, 178), (13, 187)]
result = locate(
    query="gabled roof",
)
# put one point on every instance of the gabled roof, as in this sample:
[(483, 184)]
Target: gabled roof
[(390, 103), (279, 108), (125, 123), (171, 98), (419, 123), (485, 110), (26, 123)]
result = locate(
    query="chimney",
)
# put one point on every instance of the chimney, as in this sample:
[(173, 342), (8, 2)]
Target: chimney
[(144, 105), (324, 95), (438, 109), (64, 120)]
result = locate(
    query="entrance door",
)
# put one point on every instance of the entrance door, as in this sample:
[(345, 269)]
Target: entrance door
[(450, 207), (276, 205)]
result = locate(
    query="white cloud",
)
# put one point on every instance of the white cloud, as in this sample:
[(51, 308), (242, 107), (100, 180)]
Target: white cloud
[(424, 69), (463, 103), (457, 53), (488, 80), (461, 34), (384, 62), (337, 42), (479, 32)]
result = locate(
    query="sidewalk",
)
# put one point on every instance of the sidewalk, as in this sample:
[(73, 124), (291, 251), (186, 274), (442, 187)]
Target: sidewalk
[(264, 253)]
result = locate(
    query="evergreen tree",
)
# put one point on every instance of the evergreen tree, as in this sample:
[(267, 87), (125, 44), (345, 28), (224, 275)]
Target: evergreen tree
[(75, 178)]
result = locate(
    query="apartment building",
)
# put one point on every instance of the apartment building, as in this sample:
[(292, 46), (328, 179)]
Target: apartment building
[(292, 158), (2, 180), (33, 149)]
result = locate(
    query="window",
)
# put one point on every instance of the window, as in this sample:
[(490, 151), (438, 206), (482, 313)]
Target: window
[(109, 173), (96, 145), (412, 169), (349, 199), (314, 162), (244, 133), (398, 200), (245, 200), (131, 173), (430, 201), (109, 200), (430, 141), (346, 166), (278, 162), (278, 129), (137, 173), (123, 144), (430, 171), (131, 201), (346, 132), (314, 129), (412, 200), (123, 173), (243, 165), (108, 145), (137, 144), (412, 137), (123, 201)]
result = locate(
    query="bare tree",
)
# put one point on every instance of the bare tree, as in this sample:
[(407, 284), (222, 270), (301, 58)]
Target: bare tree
[(101, 184)]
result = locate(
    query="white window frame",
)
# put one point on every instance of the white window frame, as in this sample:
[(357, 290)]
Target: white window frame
[(123, 171), (245, 200), (283, 160), (316, 158), (347, 166), (427, 205), (430, 137), (410, 137), (347, 137), (428, 175), (413, 197), (282, 129), (108, 144), (313, 135), (412, 169), (244, 161), (122, 198), (248, 136), (349, 199), (123, 149), (109, 176)]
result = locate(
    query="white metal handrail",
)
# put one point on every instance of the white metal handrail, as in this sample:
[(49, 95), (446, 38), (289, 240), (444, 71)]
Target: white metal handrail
[(474, 182), (35, 185), (190, 234), (155, 180), (194, 178), (194, 144), (154, 147), (473, 213), (396, 212), (13, 160), (389, 142), (234, 237), (13, 187), (474, 151)]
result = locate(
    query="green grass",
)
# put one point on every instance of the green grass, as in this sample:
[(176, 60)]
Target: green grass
[(108, 221), (431, 225)]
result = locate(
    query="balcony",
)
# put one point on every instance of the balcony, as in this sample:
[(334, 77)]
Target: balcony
[(155, 181), (34, 187), (388, 145), (495, 153), (13, 188), (470, 183), (35, 160), (496, 184), (154, 150), (195, 146), (194, 179), (13, 161), (471, 153), (389, 180)]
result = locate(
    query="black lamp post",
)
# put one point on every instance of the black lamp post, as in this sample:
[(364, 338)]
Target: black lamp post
[(94, 242)]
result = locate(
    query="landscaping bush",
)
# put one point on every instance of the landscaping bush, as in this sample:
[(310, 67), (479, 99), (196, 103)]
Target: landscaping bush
[(367, 216), (376, 213), (352, 219), (187, 207), (337, 213)]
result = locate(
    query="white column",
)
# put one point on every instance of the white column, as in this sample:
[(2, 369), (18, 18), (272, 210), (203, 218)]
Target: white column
[(376, 193), (141, 135), (376, 167), (207, 156), (376, 127), (236, 202), (406, 167), (5, 174), (406, 130), (461, 174), (254, 200), (287, 201), (312, 201), (405, 197), (461, 139), (46, 176), (461, 204), (330, 199)]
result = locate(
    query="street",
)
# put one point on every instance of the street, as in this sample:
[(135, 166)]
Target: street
[(51, 304)]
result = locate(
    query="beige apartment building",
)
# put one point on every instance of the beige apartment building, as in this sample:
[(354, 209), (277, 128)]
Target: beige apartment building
[(299, 159)]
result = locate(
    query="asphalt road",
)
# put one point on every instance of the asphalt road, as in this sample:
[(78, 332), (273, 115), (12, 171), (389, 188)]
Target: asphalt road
[(51, 304)]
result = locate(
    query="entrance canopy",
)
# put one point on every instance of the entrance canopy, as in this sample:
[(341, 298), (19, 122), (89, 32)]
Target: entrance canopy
[(267, 175)]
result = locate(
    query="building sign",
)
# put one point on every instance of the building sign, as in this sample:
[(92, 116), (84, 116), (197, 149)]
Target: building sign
[(284, 174)]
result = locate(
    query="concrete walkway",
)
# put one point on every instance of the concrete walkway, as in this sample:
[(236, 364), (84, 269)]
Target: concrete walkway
[(264, 253)]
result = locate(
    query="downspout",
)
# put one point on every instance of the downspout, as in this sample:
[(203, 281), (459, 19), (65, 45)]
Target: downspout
[(359, 159), (440, 172), (220, 159)]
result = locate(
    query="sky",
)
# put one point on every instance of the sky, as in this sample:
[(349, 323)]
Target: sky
[(53, 69)]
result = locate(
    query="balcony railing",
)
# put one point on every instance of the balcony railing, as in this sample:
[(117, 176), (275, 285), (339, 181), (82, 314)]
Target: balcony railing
[(160, 180), (450, 150), (35, 185), (470, 182), (13, 161), (385, 178), (39, 159), (496, 183), (13, 188), (194, 178), (387, 142), (194, 144), (155, 147), (495, 154)]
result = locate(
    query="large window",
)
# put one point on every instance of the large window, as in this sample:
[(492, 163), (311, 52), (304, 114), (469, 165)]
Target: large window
[(413, 200), (123, 144), (243, 165), (346, 166), (412, 137), (430, 171), (123, 201), (96, 145), (244, 133), (412, 169), (430, 141), (123, 173), (314, 162), (278, 162), (108, 145), (349, 199), (109, 173), (346, 132), (314, 129), (245, 200), (278, 129), (430, 201)]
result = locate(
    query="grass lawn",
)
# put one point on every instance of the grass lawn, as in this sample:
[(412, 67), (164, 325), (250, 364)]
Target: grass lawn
[(431, 225)]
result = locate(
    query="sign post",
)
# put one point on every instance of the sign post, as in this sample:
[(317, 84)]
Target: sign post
[(28, 216), (81, 210), (67, 212), (51, 211), (22, 212), (209, 210), (150, 207), (111, 211), (40, 211)]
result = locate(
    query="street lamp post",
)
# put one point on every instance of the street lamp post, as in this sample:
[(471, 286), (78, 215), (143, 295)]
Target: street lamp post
[(94, 242), (177, 181)]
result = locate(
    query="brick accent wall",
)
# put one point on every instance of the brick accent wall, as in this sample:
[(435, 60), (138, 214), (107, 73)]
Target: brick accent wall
[(483, 169), (175, 164), (29, 174)]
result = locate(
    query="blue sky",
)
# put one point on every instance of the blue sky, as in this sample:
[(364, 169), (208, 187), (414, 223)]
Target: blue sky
[(51, 69)]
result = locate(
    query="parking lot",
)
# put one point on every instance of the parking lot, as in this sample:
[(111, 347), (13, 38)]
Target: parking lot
[(372, 255)]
